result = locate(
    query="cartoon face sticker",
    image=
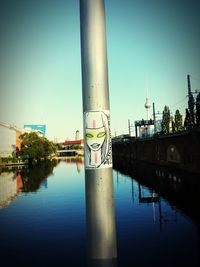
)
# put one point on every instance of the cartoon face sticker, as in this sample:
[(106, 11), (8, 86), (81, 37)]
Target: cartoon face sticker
[(96, 138)]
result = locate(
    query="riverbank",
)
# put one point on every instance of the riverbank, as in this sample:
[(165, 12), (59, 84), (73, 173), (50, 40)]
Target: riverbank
[(12, 162)]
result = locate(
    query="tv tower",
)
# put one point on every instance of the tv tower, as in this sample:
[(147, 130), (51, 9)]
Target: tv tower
[(147, 106)]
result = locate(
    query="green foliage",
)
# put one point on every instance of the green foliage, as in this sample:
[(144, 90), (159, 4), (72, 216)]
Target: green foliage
[(178, 121), (9, 159), (187, 123), (58, 146), (75, 147), (173, 125), (35, 147), (191, 109), (166, 120)]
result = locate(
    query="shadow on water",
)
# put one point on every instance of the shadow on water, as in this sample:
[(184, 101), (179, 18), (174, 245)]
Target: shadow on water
[(180, 189)]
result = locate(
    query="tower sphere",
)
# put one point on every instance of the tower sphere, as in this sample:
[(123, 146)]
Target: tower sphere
[(147, 104)]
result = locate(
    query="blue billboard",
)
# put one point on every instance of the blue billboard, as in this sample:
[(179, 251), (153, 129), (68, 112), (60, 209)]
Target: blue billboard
[(41, 128)]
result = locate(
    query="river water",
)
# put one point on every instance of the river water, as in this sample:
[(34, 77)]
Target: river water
[(43, 216)]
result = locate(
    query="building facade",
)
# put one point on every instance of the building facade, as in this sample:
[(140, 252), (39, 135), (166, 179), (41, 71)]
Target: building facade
[(40, 128), (9, 139)]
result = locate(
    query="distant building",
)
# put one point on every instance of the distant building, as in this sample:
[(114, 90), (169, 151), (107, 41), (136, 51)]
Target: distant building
[(158, 126), (9, 139), (144, 128), (122, 138), (77, 135), (71, 148), (146, 131), (40, 128), (69, 144)]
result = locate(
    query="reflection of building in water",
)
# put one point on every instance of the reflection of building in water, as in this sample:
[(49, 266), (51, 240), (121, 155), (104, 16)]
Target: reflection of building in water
[(78, 166), (79, 161), (179, 188), (147, 199), (10, 187), (152, 198), (165, 213)]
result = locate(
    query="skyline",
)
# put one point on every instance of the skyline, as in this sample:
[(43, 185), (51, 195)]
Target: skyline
[(151, 46)]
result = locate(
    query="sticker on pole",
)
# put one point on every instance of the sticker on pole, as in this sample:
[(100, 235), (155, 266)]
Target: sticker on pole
[(98, 144)]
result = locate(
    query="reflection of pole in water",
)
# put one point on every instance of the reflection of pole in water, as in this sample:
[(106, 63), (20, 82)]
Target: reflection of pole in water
[(101, 230), (139, 191), (160, 215), (154, 208), (198, 239), (132, 190), (10, 187)]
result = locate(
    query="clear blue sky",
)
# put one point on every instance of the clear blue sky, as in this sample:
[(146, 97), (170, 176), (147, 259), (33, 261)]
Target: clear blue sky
[(151, 43)]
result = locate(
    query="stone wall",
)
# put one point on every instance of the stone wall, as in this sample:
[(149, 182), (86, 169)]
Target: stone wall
[(181, 150)]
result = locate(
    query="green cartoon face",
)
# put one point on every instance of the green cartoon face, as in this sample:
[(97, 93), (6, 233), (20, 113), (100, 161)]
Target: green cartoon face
[(95, 138)]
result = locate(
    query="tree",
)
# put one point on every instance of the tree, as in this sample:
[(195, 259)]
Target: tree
[(187, 122), (36, 147), (198, 109), (166, 120), (173, 125), (191, 109), (178, 121)]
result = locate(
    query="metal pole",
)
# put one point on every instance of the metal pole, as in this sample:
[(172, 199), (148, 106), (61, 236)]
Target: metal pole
[(129, 127), (154, 118), (190, 102), (101, 231), (136, 135), (189, 85)]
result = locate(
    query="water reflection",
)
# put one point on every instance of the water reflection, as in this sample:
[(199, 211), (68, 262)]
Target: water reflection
[(100, 219), (162, 204), (48, 227), (37, 175), (181, 189), (79, 161), (10, 187), (165, 214), (13, 181), (29, 179)]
